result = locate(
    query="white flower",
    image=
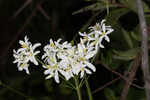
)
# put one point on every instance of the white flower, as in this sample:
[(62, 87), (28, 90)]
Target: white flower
[(84, 69), (97, 34), (21, 60), (54, 58), (101, 32), (25, 54), (81, 62), (52, 69)]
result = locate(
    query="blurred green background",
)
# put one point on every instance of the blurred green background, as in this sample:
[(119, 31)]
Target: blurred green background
[(41, 20)]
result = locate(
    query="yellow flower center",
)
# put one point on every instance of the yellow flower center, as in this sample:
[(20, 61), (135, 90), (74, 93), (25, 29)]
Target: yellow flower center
[(51, 67), (22, 65), (97, 27), (54, 67), (81, 59), (48, 66), (68, 69), (84, 50), (52, 60), (82, 69), (103, 33), (52, 45), (85, 38), (95, 42), (30, 54), (24, 46)]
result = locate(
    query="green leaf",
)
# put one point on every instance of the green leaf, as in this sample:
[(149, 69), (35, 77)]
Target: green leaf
[(48, 85), (131, 4), (94, 7), (126, 55), (127, 38), (107, 59), (115, 14), (65, 89), (0, 82), (135, 94), (138, 36), (109, 94)]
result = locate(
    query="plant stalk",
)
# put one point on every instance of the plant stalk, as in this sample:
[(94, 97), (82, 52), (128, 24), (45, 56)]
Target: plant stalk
[(78, 88), (88, 89), (144, 47)]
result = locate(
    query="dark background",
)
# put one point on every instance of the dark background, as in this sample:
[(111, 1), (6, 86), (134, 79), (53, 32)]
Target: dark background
[(45, 19)]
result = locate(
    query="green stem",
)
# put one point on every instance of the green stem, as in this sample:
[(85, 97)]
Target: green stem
[(69, 83), (78, 88), (39, 60), (88, 89), (13, 90)]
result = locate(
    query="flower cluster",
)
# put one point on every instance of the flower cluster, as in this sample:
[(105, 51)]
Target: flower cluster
[(63, 58), (25, 54)]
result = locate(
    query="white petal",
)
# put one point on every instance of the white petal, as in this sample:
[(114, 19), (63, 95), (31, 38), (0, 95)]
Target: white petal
[(36, 45), (102, 22), (20, 50), (100, 42), (49, 76), (63, 73), (90, 54), (56, 77), (109, 31), (36, 52), (20, 68), (88, 71), (107, 38), (101, 46), (27, 70), (91, 66), (82, 74), (47, 72), (21, 42), (34, 60)]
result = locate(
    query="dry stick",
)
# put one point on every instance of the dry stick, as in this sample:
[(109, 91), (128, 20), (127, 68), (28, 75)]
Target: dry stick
[(23, 26), (108, 68), (43, 12), (22, 8), (106, 85), (109, 83), (131, 77), (26, 4), (144, 47)]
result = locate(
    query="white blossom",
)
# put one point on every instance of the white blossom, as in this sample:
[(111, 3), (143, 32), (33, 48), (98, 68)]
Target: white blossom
[(98, 32), (62, 58), (25, 54)]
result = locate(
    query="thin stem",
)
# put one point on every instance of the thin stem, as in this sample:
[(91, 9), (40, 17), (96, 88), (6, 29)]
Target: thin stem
[(144, 47), (86, 80), (88, 88), (13, 90), (82, 82), (69, 83), (78, 88), (39, 60)]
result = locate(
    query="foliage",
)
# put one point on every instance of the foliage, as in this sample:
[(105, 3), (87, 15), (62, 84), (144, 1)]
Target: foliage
[(66, 20)]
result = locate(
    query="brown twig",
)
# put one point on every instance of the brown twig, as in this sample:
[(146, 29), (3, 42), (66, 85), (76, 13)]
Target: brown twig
[(108, 68), (106, 85), (131, 77), (43, 12), (26, 4), (22, 8), (144, 47), (120, 77), (23, 26)]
